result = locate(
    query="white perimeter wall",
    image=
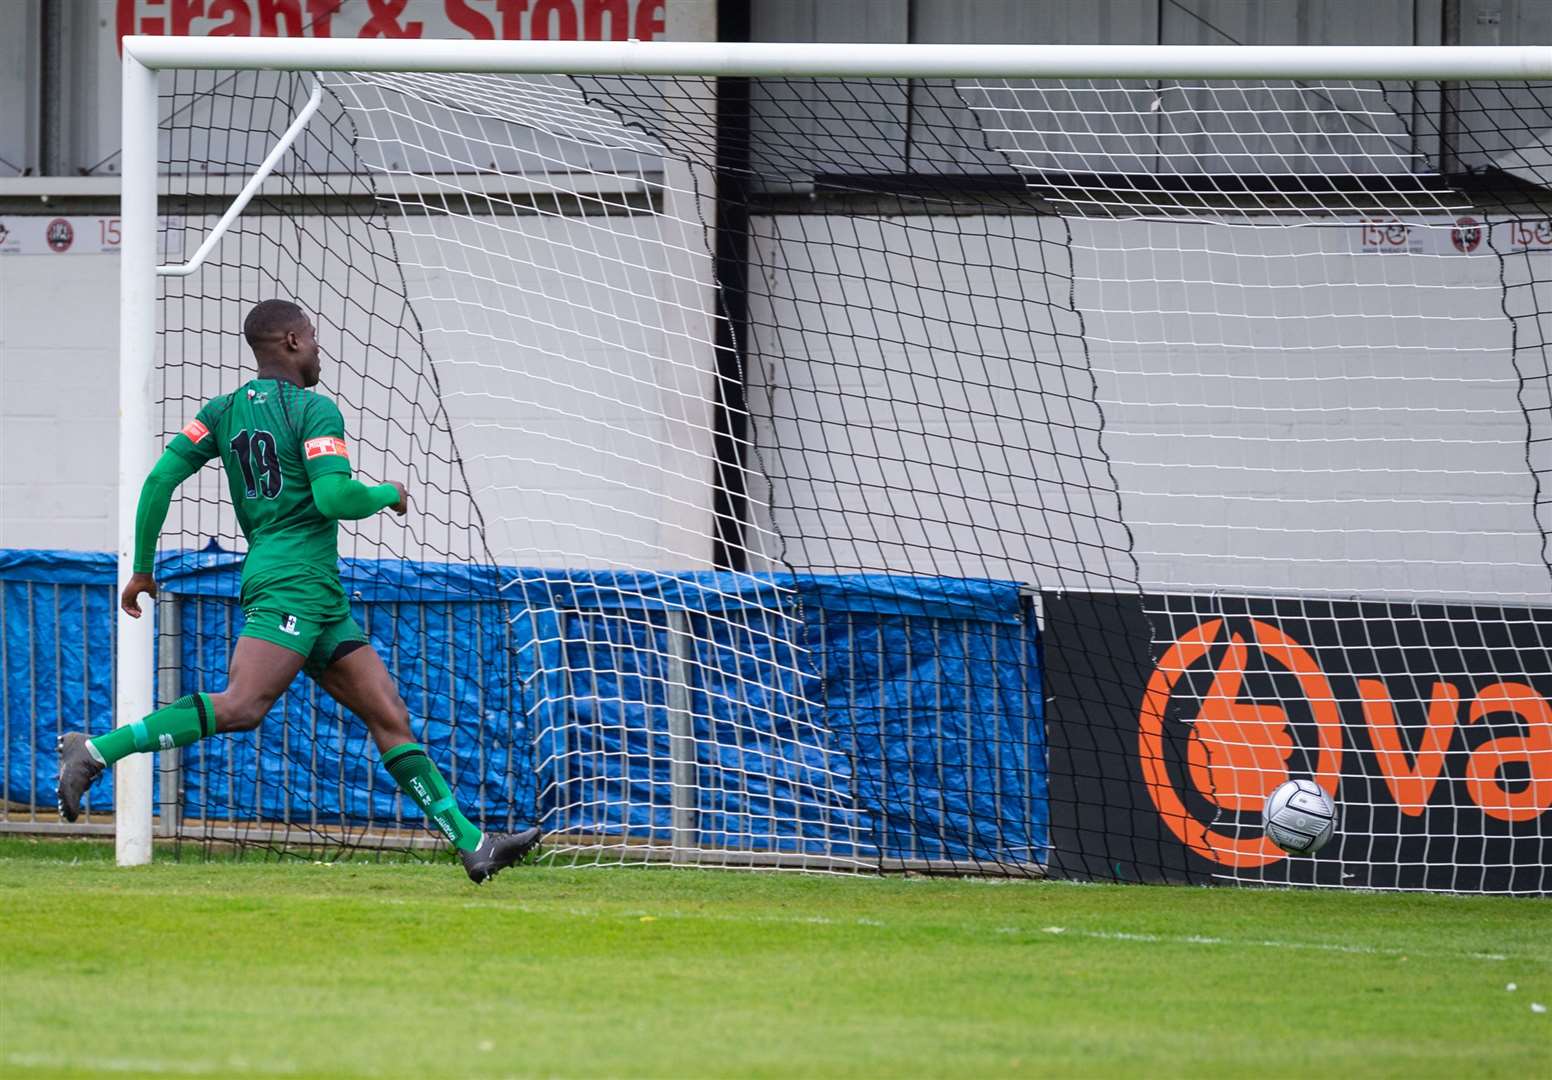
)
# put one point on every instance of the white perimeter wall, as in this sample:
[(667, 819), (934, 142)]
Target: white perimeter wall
[(58, 401), (1284, 409), (573, 362)]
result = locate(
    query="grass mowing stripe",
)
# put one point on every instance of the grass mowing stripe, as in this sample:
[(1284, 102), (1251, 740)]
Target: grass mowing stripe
[(520, 907), (1318, 946), (405, 970), (152, 1066)]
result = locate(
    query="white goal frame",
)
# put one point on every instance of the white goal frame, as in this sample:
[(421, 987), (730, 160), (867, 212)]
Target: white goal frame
[(144, 57)]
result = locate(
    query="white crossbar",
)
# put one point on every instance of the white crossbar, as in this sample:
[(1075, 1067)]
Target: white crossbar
[(800, 59)]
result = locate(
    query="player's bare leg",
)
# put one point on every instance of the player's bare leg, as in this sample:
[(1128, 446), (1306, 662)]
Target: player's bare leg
[(361, 682), (258, 674)]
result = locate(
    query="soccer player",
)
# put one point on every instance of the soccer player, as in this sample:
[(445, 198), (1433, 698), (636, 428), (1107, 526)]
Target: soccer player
[(283, 447)]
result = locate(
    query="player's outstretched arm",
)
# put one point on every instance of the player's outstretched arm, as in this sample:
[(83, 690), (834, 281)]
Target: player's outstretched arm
[(346, 499), (170, 470)]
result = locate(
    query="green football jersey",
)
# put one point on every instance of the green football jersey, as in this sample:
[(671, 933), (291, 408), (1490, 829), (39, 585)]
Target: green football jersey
[(273, 438)]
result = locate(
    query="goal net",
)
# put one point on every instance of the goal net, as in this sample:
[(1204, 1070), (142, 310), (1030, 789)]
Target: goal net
[(1012, 475)]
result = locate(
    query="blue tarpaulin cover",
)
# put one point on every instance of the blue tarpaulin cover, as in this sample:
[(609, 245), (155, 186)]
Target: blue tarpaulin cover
[(928, 719)]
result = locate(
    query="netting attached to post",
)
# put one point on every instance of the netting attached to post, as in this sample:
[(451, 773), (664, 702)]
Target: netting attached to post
[(981, 474)]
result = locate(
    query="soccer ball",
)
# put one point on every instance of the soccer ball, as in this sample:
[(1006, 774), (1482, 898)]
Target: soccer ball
[(1299, 817)]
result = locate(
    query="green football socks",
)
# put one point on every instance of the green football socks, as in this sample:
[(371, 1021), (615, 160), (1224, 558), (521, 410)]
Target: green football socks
[(191, 718), (184, 721), (419, 778)]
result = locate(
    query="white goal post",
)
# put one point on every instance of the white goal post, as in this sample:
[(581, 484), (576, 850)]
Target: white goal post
[(144, 57)]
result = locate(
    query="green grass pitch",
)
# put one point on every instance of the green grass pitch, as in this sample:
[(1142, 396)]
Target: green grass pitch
[(367, 969)]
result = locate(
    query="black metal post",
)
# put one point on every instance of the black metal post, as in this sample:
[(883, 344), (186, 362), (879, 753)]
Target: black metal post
[(730, 502)]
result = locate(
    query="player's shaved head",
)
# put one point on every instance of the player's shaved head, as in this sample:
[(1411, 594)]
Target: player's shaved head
[(272, 319), (283, 342)]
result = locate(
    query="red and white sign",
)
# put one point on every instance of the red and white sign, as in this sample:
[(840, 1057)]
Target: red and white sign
[(1388, 238), (79, 235), (328, 446), (1458, 236), (194, 431), (1466, 235), (1525, 235), (529, 20), (59, 235)]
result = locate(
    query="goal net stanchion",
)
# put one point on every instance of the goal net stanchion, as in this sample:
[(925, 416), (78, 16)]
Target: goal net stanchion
[(1166, 336)]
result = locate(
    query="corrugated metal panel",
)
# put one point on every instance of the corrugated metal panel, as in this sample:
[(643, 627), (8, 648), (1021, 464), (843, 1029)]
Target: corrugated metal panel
[(1505, 22), (1335, 142), (1045, 21), (789, 116), (1057, 22), (1504, 127), (1495, 124), (826, 20), (799, 129), (1330, 129), (1288, 22), (19, 78)]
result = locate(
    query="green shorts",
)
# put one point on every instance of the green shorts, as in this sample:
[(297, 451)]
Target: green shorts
[(316, 641)]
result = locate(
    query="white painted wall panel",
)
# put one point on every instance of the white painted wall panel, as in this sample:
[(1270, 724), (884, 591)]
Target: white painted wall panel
[(576, 381), (924, 417), (1283, 411), (580, 389), (577, 385), (58, 401)]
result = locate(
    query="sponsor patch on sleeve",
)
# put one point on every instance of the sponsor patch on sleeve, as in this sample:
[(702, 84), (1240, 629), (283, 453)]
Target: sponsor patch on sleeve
[(328, 446), (195, 431)]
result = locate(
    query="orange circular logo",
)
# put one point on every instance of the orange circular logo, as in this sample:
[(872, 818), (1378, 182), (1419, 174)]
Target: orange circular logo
[(1236, 751)]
